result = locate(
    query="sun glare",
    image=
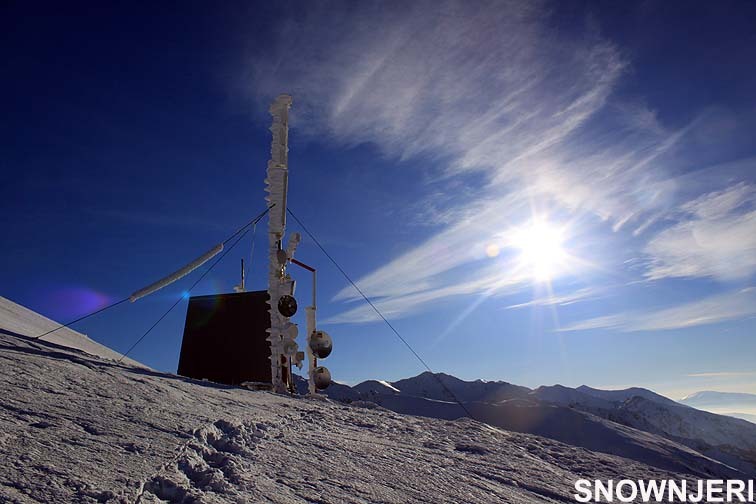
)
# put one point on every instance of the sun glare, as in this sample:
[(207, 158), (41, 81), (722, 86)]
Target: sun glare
[(541, 249)]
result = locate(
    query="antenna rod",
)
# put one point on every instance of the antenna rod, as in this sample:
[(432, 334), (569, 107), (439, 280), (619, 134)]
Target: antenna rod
[(311, 312), (242, 275)]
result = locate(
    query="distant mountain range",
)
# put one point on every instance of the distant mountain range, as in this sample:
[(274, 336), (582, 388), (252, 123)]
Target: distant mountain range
[(735, 404), (634, 423), (714, 399)]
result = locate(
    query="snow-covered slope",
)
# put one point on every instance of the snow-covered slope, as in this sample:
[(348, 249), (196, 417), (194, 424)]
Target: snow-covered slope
[(729, 440), (635, 422), (376, 387), (646, 410), (77, 428), (686, 422), (566, 396), (742, 416), (567, 425), (21, 321)]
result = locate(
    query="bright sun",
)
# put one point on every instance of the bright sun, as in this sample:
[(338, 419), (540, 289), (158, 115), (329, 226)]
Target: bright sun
[(540, 244)]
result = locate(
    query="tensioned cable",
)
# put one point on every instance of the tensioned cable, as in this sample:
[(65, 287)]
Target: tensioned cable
[(252, 222), (84, 317), (375, 308), (182, 297), (100, 310)]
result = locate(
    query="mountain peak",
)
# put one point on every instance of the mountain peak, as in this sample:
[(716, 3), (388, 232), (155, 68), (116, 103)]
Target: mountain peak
[(623, 395)]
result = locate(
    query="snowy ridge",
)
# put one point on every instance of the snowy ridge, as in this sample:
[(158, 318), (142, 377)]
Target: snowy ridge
[(428, 386), (375, 387), (19, 320), (388, 385), (743, 416), (625, 394), (77, 428), (565, 396)]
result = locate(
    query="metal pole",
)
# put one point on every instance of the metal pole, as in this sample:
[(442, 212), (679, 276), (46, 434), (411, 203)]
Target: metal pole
[(311, 313)]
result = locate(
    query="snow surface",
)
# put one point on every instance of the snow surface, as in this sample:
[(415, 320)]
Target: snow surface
[(21, 321), (78, 428)]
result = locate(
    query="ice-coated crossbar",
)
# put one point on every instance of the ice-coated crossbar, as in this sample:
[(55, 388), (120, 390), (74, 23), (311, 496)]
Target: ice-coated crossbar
[(176, 275)]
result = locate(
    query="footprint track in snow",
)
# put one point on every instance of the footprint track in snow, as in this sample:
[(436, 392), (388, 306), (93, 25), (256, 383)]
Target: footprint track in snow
[(213, 461)]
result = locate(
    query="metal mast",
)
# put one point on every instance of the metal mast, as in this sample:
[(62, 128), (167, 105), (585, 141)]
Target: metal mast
[(279, 283), (283, 333)]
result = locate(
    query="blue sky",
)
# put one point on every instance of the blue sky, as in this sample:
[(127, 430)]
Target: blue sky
[(534, 192)]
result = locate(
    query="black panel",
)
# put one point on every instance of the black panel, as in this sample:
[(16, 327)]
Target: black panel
[(225, 338)]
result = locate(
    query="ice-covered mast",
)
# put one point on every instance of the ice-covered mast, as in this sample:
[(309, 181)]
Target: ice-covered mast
[(282, 333), (279, 283)]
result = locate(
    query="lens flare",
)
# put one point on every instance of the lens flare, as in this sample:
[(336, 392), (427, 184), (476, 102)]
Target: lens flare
[(71, 302), (492, 250)]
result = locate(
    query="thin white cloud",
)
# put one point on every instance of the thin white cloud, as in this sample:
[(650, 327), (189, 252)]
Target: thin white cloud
[(718, 204), (584, 294), (422, 267), (490, 280), (716, 237), (722, 374), (711, 310)]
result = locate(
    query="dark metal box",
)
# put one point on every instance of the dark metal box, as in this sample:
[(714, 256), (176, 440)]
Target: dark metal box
[(225, 338)]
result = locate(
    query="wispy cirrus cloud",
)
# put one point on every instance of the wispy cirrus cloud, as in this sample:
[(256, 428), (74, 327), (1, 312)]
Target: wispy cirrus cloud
[(710, 310), (715, 236), (722, 374), (487, 88), (582, 294), (489, 281)]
